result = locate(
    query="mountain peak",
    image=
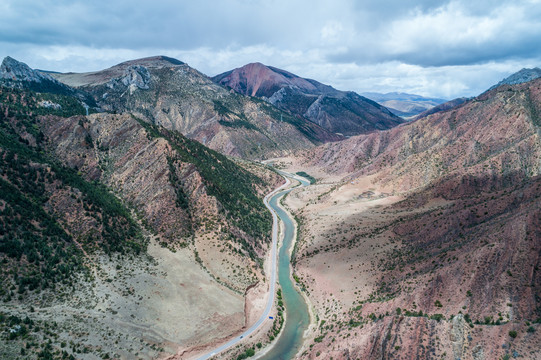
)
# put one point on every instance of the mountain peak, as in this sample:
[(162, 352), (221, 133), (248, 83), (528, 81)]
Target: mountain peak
[(255, 64), (257, 79), (153, 62), (15, 70), (522, 76), (132, 72)]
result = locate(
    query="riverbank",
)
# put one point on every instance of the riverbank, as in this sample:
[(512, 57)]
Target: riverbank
[(250, 333)]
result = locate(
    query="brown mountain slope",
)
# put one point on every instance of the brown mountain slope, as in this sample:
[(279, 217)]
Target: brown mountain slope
[(496, 133), (169, 93), (337, 111), (428, 277), (175, 184), (429, 243)]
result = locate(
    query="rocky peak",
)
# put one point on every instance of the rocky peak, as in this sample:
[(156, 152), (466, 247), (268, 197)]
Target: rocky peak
[(14, 70), (522, 76)]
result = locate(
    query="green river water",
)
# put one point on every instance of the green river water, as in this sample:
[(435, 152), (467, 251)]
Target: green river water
[(297, 316)]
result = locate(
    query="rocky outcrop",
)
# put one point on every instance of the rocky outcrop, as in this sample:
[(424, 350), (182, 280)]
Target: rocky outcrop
[(17, 74), (134, 77)]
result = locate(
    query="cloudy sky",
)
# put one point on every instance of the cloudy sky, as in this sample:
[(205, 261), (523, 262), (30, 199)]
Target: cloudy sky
[(429, 47)]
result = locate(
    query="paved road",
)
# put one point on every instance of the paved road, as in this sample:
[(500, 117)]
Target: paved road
[(265, 316)]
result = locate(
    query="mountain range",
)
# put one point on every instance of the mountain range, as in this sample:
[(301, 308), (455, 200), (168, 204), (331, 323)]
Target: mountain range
[(95, 206), (132, 225), (169, 93)]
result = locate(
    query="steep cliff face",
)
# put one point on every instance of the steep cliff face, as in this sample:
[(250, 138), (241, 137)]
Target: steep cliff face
[(171, 94), (337, 111)]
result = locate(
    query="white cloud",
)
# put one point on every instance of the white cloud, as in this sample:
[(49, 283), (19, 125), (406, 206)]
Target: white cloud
[(452, 26), (433, 47)]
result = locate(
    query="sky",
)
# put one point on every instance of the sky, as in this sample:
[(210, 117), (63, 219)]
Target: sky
[(436, 48)]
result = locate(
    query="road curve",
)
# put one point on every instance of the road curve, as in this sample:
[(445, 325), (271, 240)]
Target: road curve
[(265, 316)]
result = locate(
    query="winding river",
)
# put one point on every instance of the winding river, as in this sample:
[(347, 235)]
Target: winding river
[(297, 317), (290, 338)]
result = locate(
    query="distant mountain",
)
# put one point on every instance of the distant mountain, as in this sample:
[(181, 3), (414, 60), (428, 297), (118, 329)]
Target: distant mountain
[(520, 77), (337, 111), (443, 107), (403, 104)]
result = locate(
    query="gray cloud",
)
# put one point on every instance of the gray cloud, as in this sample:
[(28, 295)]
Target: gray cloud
[(354, 45)]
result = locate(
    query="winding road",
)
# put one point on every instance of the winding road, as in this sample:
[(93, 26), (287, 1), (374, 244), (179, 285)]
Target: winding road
[(275, 226)]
